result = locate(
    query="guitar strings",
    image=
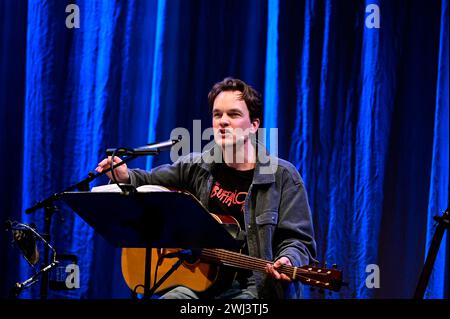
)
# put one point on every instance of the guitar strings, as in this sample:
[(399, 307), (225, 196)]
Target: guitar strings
[(239, 260), (254, 261), (258, 265)]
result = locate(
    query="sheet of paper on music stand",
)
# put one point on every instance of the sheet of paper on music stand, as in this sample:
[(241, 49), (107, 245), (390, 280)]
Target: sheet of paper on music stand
[(143, 188)]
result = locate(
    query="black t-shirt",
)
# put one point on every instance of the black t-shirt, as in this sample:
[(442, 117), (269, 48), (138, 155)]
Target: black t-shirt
[(229, 191), (227, 197)]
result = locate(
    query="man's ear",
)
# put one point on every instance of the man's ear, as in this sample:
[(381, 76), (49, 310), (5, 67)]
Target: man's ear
[(255, 125)]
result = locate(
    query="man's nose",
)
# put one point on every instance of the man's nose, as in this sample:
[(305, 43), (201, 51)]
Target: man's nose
[(224, 120)]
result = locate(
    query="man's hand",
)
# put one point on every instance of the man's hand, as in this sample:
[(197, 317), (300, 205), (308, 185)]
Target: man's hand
[(121, 172), (271, 270)]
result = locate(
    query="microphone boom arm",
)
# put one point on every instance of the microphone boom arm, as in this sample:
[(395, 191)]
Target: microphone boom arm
[(83, 185)]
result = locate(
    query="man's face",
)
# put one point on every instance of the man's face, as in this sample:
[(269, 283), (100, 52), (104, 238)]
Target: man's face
[(231, 119)]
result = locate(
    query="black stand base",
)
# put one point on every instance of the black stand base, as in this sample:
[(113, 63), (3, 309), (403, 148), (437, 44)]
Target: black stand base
[(148, 293)]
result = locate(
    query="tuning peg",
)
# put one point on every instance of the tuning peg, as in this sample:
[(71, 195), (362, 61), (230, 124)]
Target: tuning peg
[(334, 266)]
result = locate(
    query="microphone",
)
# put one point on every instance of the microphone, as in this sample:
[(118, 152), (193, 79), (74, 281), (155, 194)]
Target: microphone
[(149, 149), (24, 237)]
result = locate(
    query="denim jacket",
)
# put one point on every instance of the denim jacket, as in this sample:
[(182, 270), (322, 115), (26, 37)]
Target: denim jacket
[(276, 211)]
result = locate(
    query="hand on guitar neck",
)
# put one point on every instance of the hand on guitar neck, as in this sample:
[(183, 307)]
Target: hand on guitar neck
[(271, 269)]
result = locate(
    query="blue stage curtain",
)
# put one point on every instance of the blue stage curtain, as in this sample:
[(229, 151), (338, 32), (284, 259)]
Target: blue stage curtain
[(362, 113), (86, 89), (366, 121)]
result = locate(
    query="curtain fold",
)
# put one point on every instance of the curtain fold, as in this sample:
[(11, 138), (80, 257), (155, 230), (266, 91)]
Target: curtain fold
[(439, 177)]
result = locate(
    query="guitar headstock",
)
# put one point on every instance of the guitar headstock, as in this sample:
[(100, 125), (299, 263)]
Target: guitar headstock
[(325, 278)]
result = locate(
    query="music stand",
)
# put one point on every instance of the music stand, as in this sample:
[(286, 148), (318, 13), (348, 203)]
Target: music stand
[(150, 220)]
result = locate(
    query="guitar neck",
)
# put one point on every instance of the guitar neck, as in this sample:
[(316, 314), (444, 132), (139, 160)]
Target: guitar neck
[(320, 277), (237, 260)]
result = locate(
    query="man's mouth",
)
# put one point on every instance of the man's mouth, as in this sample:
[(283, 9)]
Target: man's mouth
[(224, 132)]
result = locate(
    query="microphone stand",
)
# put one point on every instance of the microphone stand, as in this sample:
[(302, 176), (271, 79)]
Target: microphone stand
[(34, 279), (443, 224), (49, 208), (183, 255)]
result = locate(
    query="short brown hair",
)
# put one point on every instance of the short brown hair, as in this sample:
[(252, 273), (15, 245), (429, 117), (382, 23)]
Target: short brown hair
[(249, 95)]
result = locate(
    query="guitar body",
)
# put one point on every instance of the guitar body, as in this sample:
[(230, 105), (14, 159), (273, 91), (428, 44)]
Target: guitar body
[(212, 268), (199, 276)]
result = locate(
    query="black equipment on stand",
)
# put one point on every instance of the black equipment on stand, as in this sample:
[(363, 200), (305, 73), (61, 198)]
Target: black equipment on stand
[(25, 237)]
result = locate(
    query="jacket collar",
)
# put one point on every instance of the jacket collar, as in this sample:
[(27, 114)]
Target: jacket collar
[(265, 168)]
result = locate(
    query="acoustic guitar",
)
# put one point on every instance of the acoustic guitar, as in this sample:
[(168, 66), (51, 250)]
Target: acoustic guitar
[(210, 268)]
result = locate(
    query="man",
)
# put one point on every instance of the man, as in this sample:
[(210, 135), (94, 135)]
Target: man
[(237, 177)]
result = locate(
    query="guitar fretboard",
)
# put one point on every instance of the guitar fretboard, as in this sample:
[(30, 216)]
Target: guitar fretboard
[(234, 259)]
